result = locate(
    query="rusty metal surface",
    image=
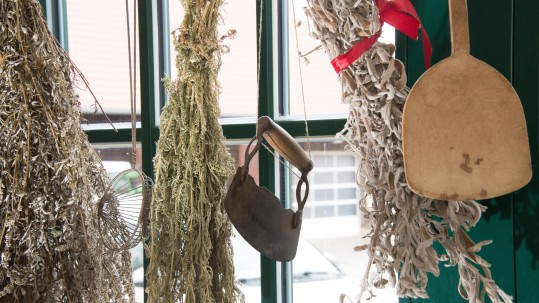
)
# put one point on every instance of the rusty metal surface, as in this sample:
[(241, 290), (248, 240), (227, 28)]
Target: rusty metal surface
[(261, 220)]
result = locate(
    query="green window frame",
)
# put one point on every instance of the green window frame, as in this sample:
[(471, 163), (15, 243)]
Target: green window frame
[(515, 22)]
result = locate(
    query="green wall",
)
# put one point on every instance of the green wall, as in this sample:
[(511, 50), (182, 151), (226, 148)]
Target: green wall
[(504, 34)]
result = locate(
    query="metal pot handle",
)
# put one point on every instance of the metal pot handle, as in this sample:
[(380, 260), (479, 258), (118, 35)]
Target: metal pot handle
[(249, 156)]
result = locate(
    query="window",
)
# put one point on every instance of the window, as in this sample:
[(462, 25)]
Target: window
[(237, 75), (332, 184), (332, 223), (98, 44), (332, 226), (310, 76)]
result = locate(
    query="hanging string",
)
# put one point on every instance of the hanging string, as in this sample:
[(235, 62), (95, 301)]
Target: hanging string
[(131, 80), (286, 164), (301, 81), (261, 10), (259, 56), (259, 50), (134, 98)]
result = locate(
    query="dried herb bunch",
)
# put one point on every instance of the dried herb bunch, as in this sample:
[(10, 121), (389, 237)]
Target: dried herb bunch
[(50, 177), (404, 226), (190, 250)]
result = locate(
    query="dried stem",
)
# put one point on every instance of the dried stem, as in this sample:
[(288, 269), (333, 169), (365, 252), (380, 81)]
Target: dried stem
[(190, 250)]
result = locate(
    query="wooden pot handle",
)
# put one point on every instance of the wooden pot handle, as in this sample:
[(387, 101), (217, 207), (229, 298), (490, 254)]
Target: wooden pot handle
[(458, 17), (284, 144)]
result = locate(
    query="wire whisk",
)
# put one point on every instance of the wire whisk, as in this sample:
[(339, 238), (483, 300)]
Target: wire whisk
[(123, 211)]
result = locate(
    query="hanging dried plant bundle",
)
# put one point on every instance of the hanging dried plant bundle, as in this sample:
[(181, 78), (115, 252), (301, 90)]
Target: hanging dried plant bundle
[(50, 177), (404, 226), (190, 250)]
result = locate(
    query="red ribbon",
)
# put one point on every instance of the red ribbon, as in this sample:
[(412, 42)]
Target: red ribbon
[(400, 14)]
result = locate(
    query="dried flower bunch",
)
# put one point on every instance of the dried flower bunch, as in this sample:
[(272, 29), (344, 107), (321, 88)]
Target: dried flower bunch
[(404, 226), (50, 177), (190, 250)]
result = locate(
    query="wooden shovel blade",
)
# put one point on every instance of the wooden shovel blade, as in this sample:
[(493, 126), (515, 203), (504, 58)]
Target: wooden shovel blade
[(464, 133), (261, 220)]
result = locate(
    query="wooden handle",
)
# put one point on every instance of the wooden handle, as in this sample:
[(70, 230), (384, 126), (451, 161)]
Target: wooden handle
[(284, 144), (458, 17)]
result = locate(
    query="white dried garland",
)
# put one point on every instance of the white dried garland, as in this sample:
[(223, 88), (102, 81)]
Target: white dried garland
[(404, 225)]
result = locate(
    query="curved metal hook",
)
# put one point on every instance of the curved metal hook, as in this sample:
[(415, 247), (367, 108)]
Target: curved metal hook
[(301, 202), (249, 156)]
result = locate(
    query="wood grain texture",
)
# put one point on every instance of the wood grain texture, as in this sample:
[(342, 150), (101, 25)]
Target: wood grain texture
[(464, 131), (284, 144)]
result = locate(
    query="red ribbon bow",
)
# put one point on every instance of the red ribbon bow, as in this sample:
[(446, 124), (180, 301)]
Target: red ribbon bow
[(400, 14)]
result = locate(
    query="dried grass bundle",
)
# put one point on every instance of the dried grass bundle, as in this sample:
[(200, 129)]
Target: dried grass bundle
[(190, 250), (404, 226), (50, 177)]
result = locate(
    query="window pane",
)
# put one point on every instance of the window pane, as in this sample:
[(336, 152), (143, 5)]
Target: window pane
[(324, 177), (331, 231), (324, 211), (346, 160), (347, 210), (308, 212), (321, 87), (346, 177), (238, 74), (323, 194), (98, 46), (323, 161), (347, 193)]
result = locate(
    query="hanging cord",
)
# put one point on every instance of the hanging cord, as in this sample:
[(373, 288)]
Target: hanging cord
[(134, 98), (259, 56), (132, 78), (287, 165), (301, 82), (121, 222)]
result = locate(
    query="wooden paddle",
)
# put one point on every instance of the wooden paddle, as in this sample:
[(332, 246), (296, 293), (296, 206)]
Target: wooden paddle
[(464, 131)]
